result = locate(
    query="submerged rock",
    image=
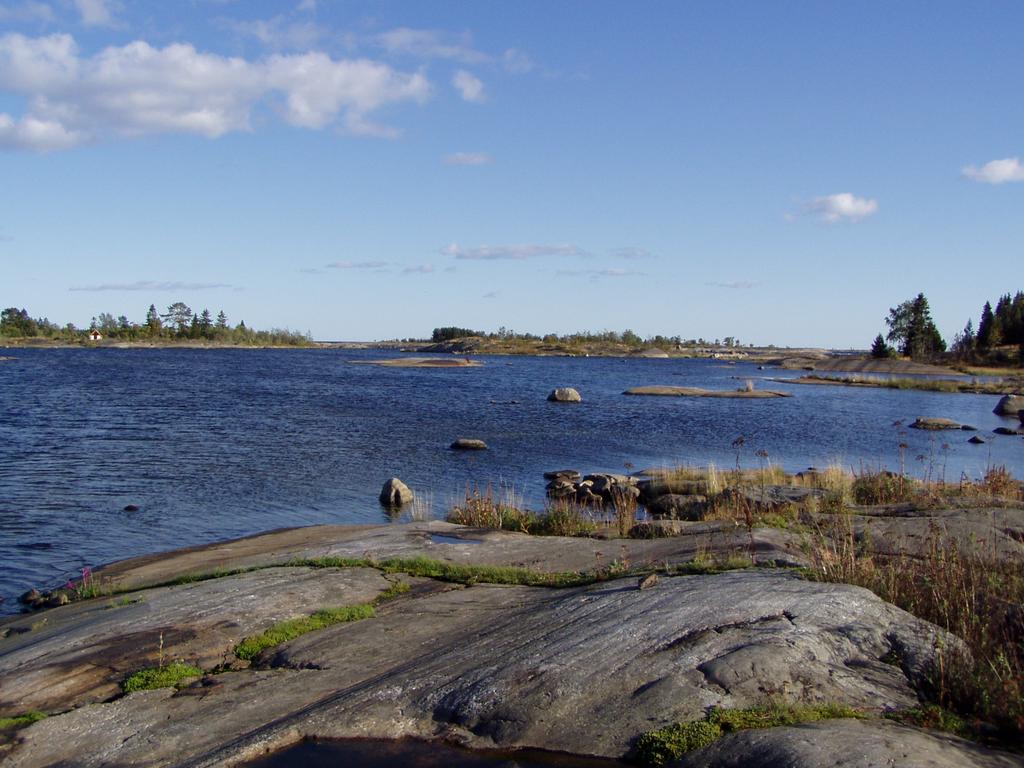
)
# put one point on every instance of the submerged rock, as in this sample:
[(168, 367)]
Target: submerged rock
[(469, 444), (571, 475), (933, 422)]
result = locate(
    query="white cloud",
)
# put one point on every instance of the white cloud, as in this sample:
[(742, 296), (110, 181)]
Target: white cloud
[(843, 206), (97, 13), (151, 285), (137, 89), (469, 87), (468, 158), (424, 269), (430, 44), (356, 265), (308, 6), (735, 285), (996, 171), (514, 252), (29, 11), (36, 135)]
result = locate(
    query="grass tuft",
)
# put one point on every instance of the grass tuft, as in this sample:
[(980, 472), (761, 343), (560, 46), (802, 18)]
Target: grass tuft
[(284, 631), (20, 721), (166, 676)]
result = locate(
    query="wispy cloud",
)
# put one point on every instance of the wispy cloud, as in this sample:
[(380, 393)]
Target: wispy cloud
[(470, 87), (491, 295), (997, 171), (151, 285), (843, 206), (136, 90), (514, 252), (736, 285), (631, 253), (26, 12), (599, 272), (468, 158), (356, 265), (279, 32), (516, 62), (431, 44), (420, 269), (97, 13)]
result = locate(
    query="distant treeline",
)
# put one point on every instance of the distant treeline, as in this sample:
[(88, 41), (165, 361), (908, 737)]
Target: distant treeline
[(178, 323), (627, 337)]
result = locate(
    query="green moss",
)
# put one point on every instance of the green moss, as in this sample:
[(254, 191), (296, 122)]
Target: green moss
[(20, 721), (284, 631), (160, 677), (656, 748)]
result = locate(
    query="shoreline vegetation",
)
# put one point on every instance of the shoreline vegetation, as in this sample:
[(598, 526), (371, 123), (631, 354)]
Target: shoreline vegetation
[(179, 326)]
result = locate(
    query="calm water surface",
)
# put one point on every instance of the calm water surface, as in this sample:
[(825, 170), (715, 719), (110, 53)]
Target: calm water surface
[(212, 444)]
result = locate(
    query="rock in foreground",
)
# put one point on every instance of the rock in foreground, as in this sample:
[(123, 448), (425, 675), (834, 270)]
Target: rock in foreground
[(395, 493), (1009, 405)]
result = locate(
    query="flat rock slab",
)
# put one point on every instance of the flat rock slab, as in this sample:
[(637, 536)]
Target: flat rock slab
[(482, 547), (421, 362), (845, 744), (667, 391), (80, 653), (582, 670)]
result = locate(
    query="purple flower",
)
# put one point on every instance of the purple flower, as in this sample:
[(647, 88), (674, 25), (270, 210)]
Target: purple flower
[(70, 586), (86, 573)]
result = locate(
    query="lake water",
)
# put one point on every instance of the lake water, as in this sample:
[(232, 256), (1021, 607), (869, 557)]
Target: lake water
[(213, 444)]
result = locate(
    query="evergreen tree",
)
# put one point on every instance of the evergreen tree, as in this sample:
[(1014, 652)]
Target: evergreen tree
[(153, 322), (222, 320), (178, 316), (912, 328), (987, 331), (963, 342), (205, 323), (879, 349)]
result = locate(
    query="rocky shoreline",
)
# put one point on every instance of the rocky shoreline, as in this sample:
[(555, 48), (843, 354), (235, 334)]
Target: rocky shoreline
[(489, 638)]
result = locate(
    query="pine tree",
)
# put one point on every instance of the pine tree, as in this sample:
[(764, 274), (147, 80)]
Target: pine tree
[(987, 336), (879, 349), (153, 321)]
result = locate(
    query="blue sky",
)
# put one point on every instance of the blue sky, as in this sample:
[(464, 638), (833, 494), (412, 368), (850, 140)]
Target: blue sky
[(781, 172)]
